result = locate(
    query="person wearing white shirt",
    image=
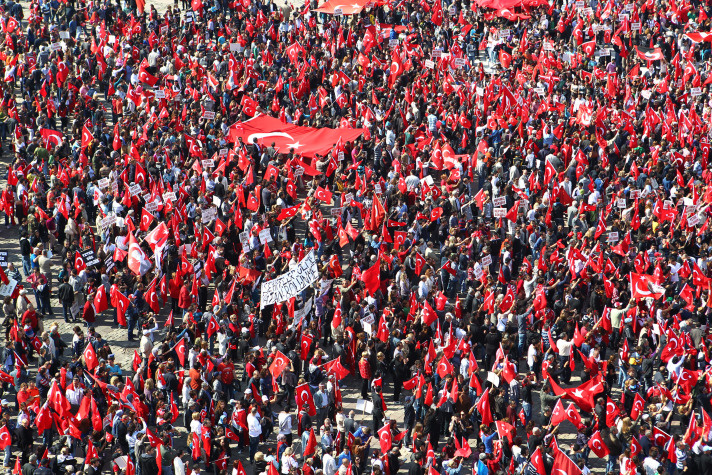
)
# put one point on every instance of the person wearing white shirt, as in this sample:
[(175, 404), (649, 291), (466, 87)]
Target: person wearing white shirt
[(328, 462), (254, 430), (178, 466), (75, 393), (284, 421)]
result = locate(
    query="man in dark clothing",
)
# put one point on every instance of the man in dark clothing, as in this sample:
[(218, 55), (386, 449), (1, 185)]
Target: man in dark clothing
[(148, 461), (94, 467), (30, 467), (24, 439), (121, 431), (65, 294)]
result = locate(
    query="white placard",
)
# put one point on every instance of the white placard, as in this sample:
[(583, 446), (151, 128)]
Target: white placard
[(135, 189), (364, 405), (635, 26), (209, 115), (580, 4), (486, 261), (499, 201), (493, 378), (223, 152), (64, 35), (265, 236), (290, 284), (460, 62), (613, 236), (234, 47), (693, 220), (152, 206), (539, 90), (377, 188), (437, 53), (499, 212), (393, 43), (160, 93), (208, 163), (103, 183), (55, 46), (6, 290), (430, 64), (621, 202), (209, 214), (634, 194), (164, 29), (108, 221), (299, 171), (336, 211), (696, 91), (245, 240), (338, 11), (169, 196)]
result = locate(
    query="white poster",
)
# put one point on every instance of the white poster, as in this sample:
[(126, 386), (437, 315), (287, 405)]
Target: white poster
[(290, 284)]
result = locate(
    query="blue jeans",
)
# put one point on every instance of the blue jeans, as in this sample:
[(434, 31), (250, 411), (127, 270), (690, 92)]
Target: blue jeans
[(131, 322), (6, 460), (166, 469), (254, 443), (26, 265), (611, 463)]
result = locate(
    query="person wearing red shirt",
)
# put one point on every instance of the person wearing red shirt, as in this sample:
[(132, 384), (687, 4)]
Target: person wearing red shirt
[(184, 298), (364, 369), (174, 286)]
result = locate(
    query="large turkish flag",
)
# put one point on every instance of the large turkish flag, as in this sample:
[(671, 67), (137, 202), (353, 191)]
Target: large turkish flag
[(306, 141)]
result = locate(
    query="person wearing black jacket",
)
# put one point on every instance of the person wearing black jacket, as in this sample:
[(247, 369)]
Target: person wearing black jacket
[(147, 460), (65, 295), (24, 439)]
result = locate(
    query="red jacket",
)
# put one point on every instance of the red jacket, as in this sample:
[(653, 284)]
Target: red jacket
[(184, 299), (364, 368)]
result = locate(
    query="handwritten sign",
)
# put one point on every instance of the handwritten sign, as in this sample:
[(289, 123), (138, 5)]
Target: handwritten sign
[(437, 53), (103, 183), (460, 62), (151, 206), (135, 189), (613, 236), (499, 212), (265, 236), (290, 284), (620, 202), (430, 64), (160, 93), (209, 214), (208, 163), (696, 91), (499, 201), (486, 261)]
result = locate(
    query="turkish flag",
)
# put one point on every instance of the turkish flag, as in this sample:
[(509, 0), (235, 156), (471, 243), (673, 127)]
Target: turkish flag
[(5, 438), (303, 396), (589, 47), (563, 464), (573, 415), (483, 407), (306, 141), (638, 407), (212, 326), (79, 263), (122, 304), (558, 415), (279, 364), (323, 195), (101, 303), (371, 277), (597, 445), (152, 297), (87, 136), (146, 220), (644, 286), (385, 438), (90, 358), (180, 350), (158, 236), (138, 262)]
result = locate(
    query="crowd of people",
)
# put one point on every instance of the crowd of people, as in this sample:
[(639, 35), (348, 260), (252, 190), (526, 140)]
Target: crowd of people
[(488, 217)]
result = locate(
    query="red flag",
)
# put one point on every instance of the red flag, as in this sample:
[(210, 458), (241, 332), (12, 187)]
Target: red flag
[(597, 445), (90, 358), (310, 448), (371, 277), (483, 406)]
